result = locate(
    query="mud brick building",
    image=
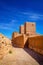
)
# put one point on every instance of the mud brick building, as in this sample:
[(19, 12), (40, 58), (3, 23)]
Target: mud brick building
[(21, 29), (28, 38), (29, 28)]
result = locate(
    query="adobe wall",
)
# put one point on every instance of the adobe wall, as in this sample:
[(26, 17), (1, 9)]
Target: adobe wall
[(36, 43), (21, 29), (19, 41), (14, 35)]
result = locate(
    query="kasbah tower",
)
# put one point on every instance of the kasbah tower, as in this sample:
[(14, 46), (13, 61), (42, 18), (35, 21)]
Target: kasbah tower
[(28, 38), (28, 28)]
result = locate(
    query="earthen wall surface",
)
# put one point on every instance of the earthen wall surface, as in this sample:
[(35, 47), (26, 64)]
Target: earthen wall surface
[(22, 29), (29, 28), (36, 43), (19, 41)]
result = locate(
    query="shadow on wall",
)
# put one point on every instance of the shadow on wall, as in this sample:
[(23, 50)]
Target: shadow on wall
[(35, 55), (26, 44)]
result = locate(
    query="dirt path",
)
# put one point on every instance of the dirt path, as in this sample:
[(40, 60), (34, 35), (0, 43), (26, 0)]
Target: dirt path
[(18, 57)]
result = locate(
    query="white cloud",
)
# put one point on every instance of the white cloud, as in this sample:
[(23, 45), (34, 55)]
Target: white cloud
[(13, 23), (8, 26), (33, 16)]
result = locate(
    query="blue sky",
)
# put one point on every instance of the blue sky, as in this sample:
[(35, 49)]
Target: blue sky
[(13, 13)]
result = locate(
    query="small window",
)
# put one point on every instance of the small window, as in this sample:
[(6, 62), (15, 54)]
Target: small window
[(32, 24)]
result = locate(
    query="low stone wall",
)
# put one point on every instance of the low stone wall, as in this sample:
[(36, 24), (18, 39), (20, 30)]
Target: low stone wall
[(36, 43)]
